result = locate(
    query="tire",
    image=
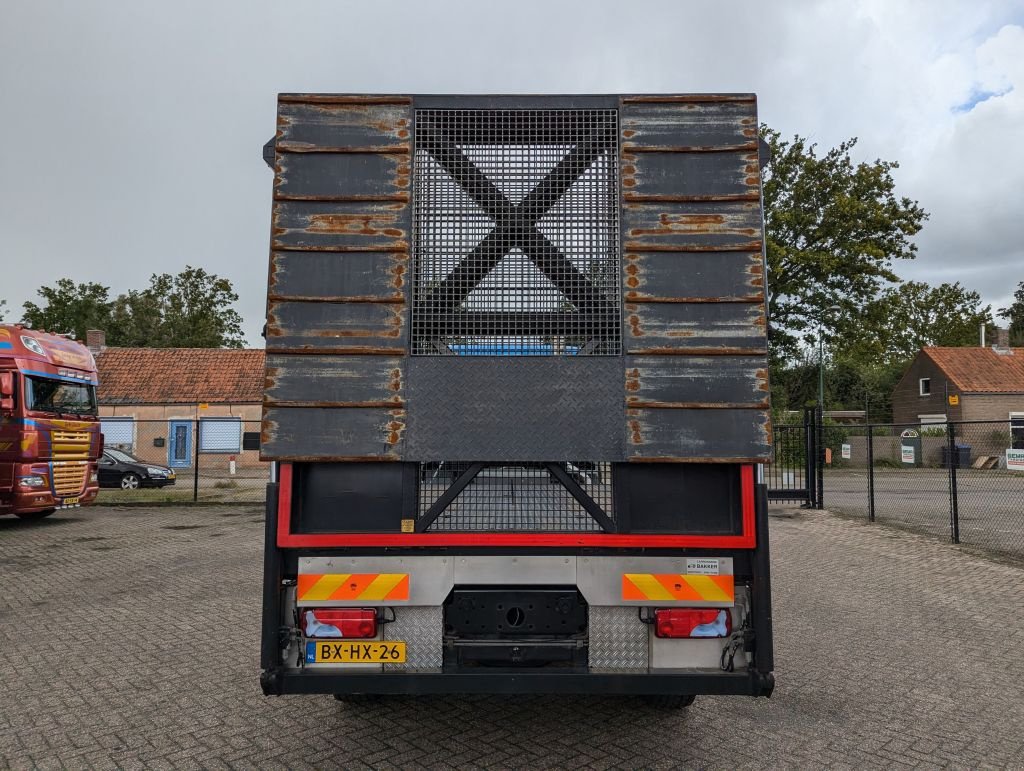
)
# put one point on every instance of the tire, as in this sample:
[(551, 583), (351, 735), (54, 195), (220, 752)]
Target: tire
[(662, 701), (130, 481), (357, 699), (30, 515)]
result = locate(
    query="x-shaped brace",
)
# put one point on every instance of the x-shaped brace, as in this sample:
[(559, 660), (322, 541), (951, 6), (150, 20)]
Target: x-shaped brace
[(515, 223)]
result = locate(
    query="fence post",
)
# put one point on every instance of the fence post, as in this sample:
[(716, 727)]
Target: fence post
[(871, 475), (820, 455), (195, 467), (952, 459), (810, 458)]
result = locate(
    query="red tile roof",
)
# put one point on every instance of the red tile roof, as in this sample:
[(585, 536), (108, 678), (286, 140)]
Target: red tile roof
[(981, 370), (180, 375)]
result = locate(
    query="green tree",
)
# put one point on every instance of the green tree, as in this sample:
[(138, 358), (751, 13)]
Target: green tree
[(833, 229), (189, 310), (69, 308), (900, 320), (1014, 313)]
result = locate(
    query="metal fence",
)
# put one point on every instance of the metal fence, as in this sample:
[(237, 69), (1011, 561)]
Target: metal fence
[(794, 475), (962, 481), (209, 460)]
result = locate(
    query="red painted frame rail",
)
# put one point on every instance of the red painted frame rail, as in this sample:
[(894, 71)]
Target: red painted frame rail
[(289, 540)]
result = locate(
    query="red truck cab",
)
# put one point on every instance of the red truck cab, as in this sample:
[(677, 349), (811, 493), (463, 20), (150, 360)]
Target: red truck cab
[(50, 436)]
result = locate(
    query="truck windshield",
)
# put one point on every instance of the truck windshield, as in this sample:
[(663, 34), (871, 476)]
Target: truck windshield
[(46, 395)]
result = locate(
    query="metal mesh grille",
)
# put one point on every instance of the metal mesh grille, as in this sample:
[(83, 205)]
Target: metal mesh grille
[(516, 497), (516, 233)]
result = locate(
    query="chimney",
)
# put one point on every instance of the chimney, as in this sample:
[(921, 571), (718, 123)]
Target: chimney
[(1002, 346), (95, 340), (982, 330)]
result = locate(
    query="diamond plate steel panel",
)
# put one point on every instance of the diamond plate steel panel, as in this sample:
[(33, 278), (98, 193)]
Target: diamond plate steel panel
[(618, 639), (515, 408), (421, 629)]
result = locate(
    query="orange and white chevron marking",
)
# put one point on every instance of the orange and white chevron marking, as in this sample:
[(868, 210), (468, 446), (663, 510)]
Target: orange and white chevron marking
[(316, 587), (677, 586)]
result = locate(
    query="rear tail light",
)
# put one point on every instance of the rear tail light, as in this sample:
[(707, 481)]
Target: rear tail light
[(692, 622), (339, 622)]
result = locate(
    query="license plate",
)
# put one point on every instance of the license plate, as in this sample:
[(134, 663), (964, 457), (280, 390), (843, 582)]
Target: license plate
[(69, 502), (353, 652)]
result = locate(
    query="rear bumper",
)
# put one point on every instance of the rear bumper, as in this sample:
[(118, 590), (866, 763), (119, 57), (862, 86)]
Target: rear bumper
[(33, 500), (505, 681)]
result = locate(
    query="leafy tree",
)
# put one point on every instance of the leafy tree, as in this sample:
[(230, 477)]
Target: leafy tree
[(891, 328), (833, 229), (69, 308), (189, 310), (1014, 313)]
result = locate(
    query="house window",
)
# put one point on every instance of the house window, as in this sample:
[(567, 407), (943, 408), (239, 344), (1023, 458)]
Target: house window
[(1017, 430), (220, 435), (932, 423), (924, 386), (118, 433)]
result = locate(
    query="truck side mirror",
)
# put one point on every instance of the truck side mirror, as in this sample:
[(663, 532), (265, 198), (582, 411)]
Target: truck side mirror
[(6, 391)]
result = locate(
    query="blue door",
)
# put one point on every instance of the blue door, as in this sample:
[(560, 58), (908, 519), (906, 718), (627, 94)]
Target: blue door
[(179, 446)]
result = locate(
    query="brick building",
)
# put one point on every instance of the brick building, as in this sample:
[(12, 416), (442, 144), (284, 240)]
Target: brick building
[(164, 404), (985, 383)]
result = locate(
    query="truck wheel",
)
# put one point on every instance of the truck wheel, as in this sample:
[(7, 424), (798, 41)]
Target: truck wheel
[(669, 702), (357, 699), (129, 482), (35, 514)]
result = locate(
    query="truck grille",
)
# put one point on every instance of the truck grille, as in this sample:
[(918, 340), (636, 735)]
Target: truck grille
[(70, 445), (69, 478), (515, 497), (516, 233)]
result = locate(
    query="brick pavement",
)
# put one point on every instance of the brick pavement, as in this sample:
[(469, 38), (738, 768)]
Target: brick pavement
[(128, 638)]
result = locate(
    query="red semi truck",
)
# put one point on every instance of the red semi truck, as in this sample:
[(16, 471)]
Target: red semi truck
[(49, 428)]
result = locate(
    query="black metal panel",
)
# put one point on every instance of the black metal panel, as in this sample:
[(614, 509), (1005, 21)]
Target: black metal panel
[(515, 408), (377, 276), (729, 175), (324, 433), (698, 435), (692, 226), (667, 327), (700, 499), (707, 125), (336, 327), (342, 176), (682, 276), (349, 381), (693, 381), (352, 497), (303, 126), (341, 225)]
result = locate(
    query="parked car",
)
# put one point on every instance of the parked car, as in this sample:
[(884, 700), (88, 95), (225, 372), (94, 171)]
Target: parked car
[(120, 469)]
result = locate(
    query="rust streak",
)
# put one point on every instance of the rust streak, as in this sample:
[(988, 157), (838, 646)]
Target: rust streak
[(357, 224), (355, 298), (303, 147), (343, 99), (722, 197), (687, 98), (396, 401), (635, 148), (635, 434), (748, 246), (366, 350), (666, 351), (650, 298), (397, 197), (634, 401)]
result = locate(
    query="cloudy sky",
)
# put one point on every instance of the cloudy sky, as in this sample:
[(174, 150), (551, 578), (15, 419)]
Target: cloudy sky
[(130, 131)]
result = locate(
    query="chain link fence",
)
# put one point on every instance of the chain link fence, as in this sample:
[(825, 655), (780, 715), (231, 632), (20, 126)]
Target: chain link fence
[(210, 460), (962, 481)]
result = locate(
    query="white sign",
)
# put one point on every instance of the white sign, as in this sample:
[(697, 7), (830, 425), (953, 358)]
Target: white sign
[(702, 567), (906, 453), (1015, 460), (847, 452)]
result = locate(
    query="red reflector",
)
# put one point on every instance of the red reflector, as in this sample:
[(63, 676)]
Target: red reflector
[(692, 622), (339, 622)]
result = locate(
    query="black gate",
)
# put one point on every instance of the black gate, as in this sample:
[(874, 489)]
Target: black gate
[(796, 473)]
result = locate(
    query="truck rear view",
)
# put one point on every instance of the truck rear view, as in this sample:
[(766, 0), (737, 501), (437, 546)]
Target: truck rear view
[(517, 397)]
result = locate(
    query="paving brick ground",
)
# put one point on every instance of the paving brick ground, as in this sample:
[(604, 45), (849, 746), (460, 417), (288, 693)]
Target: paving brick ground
[(128, 638)]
